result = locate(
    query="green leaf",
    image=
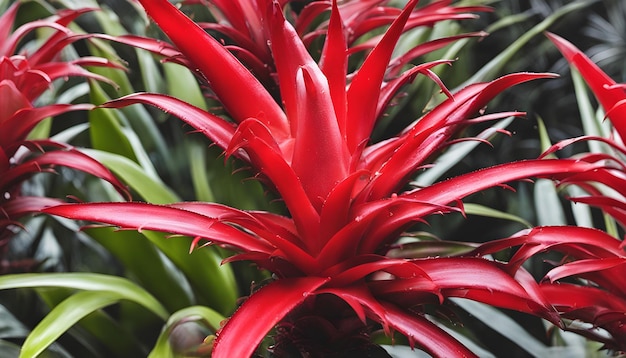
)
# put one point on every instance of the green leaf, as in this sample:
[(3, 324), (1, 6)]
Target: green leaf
[(63, 317), (143, 262), (481, 210), (199, 177), (105, 128), (503, 324), (150, 188), (548, 207), (214, 283), (183, 85), (122, 287), (493, 68), (98, 328)]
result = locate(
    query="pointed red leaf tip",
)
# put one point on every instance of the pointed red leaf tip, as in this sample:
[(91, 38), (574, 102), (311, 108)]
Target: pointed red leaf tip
[(364, 90), (606, 90), (247, 327), (217, 129), (220, 68)]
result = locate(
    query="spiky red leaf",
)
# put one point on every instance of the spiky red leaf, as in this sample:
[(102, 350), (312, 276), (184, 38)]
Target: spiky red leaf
[(245, 329)]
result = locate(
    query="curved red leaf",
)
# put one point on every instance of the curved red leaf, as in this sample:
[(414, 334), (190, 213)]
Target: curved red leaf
[(141, 216), (220, 67), (213, 127), (243, 332)]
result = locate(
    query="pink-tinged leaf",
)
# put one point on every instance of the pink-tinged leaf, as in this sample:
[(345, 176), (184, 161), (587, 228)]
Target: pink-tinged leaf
[(334, 64), (17, 127), (9, 45), (584, 266), (22, 205), (213, 127), (364, 90), (426, 334), (6, 22), (141, 216), (11, 101), (220, 67), (247, 327), (601, 84)]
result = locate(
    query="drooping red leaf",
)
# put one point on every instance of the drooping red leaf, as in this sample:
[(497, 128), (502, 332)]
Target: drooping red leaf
[(245, 329), (601, 84)]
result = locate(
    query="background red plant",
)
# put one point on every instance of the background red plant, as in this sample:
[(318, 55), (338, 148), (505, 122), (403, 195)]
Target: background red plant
[(24, 76)]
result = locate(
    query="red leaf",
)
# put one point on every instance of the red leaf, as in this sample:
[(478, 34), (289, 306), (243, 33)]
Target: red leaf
[(601, 84), (143, 216), (364, 90), (577, 241), (418, 329), (68, 158), (334, 63), (291, 248), (584, 266), (17, 127), (457, 188), (317, 139), (258, 314), (213, 127), (256, 139), (220, 67)]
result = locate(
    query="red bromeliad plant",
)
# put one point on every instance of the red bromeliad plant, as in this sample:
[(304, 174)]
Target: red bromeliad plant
[(347, 197), (594, 262), (24, 76)]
